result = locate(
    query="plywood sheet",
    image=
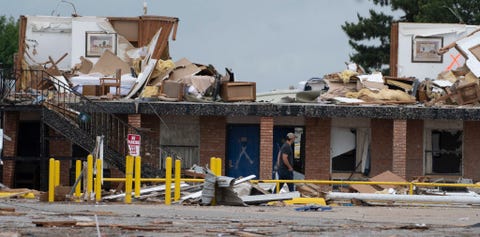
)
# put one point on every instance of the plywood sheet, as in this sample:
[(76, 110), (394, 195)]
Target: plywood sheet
[(108, 63), (183, 68), (387, 176)]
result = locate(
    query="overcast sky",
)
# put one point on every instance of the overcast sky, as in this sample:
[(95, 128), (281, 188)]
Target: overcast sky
[(275, 43)]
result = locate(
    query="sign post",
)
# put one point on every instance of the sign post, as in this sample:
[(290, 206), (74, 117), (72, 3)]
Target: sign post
[(133, 141)]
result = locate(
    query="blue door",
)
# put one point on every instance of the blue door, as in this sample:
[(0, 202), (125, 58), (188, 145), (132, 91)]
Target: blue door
[(243, 150)]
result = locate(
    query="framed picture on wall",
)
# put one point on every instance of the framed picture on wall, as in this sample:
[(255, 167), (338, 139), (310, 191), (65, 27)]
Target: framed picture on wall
[(97, 42), (425, 49)]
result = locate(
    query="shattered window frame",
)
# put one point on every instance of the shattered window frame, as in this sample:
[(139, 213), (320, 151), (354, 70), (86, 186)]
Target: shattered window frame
[(443, 142), (361, 131)]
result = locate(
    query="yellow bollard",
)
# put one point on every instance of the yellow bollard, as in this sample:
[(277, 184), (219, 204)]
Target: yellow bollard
[(218, 166), (138, 175), (128, 179), (51, 180), (98, 181), (78, 172), (213, 166), (178, 168), (168, 181), (89, 176), (57, 173)]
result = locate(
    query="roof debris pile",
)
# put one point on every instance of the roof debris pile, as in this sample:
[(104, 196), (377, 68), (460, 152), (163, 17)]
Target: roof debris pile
[(455, 87), (452, 87), (108, 65), (458, 86)]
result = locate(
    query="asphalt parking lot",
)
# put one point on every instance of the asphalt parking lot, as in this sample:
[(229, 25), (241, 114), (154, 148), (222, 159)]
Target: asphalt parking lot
[(25, 217)]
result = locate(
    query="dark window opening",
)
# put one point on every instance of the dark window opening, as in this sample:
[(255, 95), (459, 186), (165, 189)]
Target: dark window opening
[(29, 139), (446, 151), (344, 162), (27, 174)]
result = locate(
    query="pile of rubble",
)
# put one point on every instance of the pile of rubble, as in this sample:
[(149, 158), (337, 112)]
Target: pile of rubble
[(354, 86), (458, 86)]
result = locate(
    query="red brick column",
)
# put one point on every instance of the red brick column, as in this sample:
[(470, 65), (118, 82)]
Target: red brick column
[(10, 147), (213, 132), (61, 148), (414, 148), (317, 148), (399, 154), (381, 146), (471, 149), (266, 147), (135, 120)]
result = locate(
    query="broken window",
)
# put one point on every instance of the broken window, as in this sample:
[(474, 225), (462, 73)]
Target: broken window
[(444, 151), (350, 149)]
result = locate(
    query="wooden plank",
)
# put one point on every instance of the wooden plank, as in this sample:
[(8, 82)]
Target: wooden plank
[(54, 223), (9, 213), (363, 188), (142, 228), (7, 209)]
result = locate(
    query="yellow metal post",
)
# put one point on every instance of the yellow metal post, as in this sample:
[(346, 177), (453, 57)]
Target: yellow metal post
[(98, 181), (128, 179), (178, 167), (218, 168), (168, 181), (78, 172), (51, 180), (57, 173), (138, 175), (213, 166), (89, 176)]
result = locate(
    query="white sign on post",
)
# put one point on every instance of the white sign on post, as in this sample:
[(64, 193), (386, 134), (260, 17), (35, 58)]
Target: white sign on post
[(133, 141)]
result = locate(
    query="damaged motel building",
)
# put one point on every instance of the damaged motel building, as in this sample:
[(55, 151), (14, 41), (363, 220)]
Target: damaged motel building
[(78, 79)]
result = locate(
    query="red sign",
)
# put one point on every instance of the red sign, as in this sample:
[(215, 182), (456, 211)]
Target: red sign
[(133, 141)]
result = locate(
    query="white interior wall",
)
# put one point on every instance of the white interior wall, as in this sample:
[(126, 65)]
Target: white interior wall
[(54, 38), (449, 32), (80, 25), (342, 139)]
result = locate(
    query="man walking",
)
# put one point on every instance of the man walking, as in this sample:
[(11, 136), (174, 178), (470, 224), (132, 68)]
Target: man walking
[(285, 170)]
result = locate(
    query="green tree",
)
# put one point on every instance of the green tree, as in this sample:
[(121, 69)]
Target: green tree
[(370, 36), (8, 41)]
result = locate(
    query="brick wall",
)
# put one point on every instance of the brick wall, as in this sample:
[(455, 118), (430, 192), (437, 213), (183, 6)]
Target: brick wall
[(212, 139), (10, 147), (381, 146), (317, 148), (135, 120), (414, 149), (266, 147), (399, 154), (471, 163), (61, 147)]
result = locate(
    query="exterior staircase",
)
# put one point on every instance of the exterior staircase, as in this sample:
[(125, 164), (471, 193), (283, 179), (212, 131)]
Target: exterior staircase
[(81, 120)]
